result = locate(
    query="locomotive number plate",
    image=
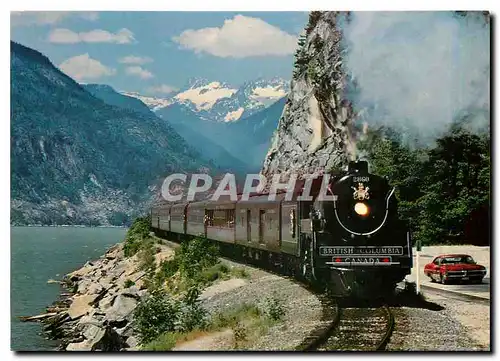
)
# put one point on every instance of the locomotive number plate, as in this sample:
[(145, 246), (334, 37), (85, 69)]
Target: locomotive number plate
[(360, 250)]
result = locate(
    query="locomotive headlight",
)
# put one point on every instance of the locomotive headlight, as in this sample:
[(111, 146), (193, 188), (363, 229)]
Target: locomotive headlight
[(361, 209)]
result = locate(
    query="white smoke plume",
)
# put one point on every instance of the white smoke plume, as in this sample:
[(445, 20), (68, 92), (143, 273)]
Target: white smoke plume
[(419, 71)]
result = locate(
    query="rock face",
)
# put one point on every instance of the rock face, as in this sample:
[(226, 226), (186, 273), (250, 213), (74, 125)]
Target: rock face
[(313, 133)]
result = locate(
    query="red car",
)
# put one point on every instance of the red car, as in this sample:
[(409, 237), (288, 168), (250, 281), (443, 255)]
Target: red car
[(454, 267)]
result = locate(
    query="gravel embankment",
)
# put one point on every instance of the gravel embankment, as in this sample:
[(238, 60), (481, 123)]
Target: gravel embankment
[(303, 308), (446, 325)]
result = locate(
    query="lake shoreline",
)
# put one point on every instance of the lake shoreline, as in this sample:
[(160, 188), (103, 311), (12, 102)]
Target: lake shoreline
[(39, 254), (96, 303)]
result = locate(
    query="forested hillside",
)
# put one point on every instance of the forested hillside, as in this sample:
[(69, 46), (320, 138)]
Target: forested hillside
[(444, 189)]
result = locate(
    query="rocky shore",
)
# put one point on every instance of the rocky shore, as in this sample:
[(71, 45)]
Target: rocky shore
[(95, 310)]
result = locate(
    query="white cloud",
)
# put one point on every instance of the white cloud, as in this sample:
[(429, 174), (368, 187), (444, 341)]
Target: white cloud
[(67, 36), (163, 89), (25, 18), (239, 37), (82, 67), (139, 71), (132, 59)]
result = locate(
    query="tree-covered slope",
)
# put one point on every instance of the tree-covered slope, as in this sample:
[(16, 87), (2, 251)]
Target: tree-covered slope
[(112, 97)]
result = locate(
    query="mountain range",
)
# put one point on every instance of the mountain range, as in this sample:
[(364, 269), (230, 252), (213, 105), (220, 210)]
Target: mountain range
[(88, 154), (247, 139), (232, 125), (219, 101), (76, 159)]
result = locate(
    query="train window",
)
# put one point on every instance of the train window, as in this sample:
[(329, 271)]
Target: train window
[(210, 217), (230, 217)]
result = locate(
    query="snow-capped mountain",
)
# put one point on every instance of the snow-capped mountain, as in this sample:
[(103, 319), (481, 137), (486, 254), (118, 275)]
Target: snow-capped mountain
[(221, 102), (153, 103), (201, 94), (248, 99)]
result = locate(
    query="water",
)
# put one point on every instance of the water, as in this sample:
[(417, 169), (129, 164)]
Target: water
[(39, 254)]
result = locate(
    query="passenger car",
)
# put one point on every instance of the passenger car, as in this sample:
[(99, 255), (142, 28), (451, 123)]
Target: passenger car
[(454, 267)]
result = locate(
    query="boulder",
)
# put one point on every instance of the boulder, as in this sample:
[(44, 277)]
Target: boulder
[(79, 346), (94, 333), (83, 286), (132, 291), (126, 331), (106, 302), (79, 273), (80, 306), (132, 341), (94, 288), (89, 319), (122, 308), (98, 339)]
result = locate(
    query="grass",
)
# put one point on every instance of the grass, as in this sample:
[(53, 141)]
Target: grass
[(165, 342), (248, 323), (239, 272)]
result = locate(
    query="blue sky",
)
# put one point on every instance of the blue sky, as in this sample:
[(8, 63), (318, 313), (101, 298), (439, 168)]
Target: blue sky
[(154, 52)]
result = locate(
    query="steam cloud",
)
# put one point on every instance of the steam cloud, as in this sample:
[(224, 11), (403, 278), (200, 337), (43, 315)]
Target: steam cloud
[(419, 71)]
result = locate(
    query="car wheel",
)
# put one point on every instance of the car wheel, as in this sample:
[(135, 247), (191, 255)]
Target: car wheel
[(431, 277), (441, 279)]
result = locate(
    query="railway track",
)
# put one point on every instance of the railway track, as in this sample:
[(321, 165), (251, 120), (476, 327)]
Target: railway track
[(355, 329)]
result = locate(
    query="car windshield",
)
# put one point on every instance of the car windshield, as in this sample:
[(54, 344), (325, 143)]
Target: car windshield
[(458, 259)]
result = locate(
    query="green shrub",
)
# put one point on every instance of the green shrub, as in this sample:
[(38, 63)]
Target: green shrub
[(213, 273), (196, 255), (159, 314), (166, 270), (147, 257), (191, 314), (231, 318), (154, 316), (136, 235), (128, 283), (239, 272), (273, 308)]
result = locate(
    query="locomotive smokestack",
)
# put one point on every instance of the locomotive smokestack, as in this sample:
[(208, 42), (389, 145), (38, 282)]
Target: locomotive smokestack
[(360, 166)]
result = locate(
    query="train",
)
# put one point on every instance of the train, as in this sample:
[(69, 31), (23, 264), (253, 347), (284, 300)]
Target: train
[(354, 243)]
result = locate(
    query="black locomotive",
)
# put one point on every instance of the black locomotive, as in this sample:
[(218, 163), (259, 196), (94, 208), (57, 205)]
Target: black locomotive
[(351, 240), (358, 240)]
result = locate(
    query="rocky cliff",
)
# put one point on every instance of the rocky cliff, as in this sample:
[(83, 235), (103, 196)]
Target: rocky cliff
[(313, 133)]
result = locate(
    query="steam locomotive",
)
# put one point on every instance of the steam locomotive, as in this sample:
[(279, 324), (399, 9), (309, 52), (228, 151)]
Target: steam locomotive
[(353, 242)]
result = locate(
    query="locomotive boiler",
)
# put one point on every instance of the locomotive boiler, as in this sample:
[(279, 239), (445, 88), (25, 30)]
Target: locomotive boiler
[(351, 241)]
